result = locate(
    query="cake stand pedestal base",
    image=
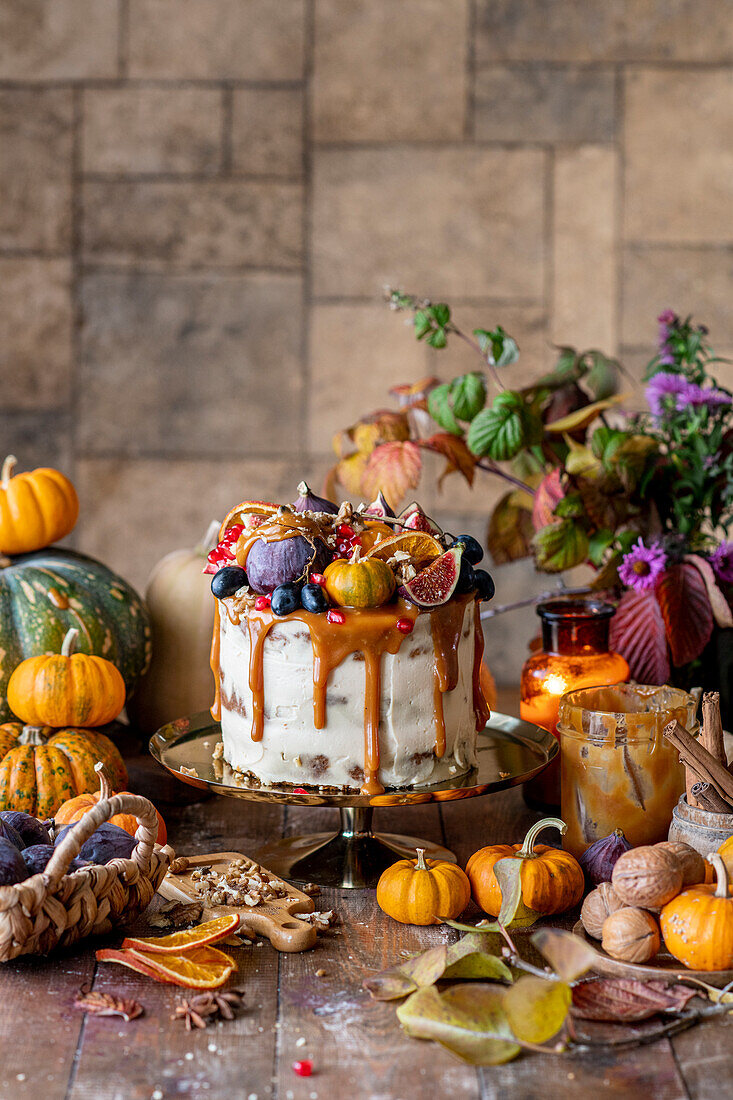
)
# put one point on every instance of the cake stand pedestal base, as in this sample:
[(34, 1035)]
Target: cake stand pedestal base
[(351, 859)]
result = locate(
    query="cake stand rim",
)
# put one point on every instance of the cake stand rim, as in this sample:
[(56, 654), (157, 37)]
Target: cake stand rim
[(501, 728)]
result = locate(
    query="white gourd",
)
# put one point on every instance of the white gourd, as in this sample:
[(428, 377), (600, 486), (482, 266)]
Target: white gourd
[(178, 596)]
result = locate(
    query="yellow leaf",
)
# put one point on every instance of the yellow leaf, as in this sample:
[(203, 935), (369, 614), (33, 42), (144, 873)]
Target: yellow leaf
[(350, 471), (581, 418), (580, 461)]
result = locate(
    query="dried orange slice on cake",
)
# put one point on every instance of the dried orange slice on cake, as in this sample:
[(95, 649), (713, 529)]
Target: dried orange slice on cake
[(211, 931), (201, 968), (255, 509), (421, 547)]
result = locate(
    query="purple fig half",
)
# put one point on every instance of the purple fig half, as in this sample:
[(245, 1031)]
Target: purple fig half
[(379, 507), (308, 501), (434, 586), (270, 564)]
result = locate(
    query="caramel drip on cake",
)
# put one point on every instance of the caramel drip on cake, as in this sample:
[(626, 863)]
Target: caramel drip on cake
[(214, 663), (480, 706), (281, 526), (259, 627), (446, 625)]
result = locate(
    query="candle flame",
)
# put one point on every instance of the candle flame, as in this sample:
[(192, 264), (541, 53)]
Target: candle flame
[(555, 685)]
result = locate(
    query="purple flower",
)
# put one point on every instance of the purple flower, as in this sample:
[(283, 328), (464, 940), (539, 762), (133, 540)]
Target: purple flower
[(722, 562), (667, 317), (642, 565), (665, 384)]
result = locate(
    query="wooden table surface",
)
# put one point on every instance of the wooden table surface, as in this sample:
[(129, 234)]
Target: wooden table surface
[(50, 1051)]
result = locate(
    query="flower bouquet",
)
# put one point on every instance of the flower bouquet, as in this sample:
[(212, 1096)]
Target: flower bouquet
[(642, 494)]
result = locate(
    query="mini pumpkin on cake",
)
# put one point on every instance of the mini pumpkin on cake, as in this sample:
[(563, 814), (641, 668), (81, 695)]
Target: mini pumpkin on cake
[(347, 645)]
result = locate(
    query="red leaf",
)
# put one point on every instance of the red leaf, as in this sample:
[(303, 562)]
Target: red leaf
[(720, 607), (626, 999), (394, 468), (456, 452), (638, 634), (685, 606), (549, 492)]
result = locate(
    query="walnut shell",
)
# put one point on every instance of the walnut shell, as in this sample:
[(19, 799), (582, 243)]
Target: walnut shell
[(631, 935), (599, 904), (648, 876), (691, 862)]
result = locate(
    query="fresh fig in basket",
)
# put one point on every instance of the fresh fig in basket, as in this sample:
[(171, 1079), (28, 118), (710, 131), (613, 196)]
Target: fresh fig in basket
[(7, 832), (37, 856), (435, 585), (308, 502), (12, 867), (108, 842), (29, 828), (599, 860), (270, 564)]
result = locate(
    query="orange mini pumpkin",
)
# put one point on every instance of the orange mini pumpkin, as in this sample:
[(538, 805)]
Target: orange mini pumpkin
[(359, 582), (66, 689), (697, 925), (552, 880), (36, 508), (75, 808), (420, 891)]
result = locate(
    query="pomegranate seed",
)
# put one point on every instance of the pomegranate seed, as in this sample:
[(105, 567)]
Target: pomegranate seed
[(405, 626), (304, 1068), (299, 790), (318, 578), (356, 541), (262, 603), (345, 530), (334, 616)]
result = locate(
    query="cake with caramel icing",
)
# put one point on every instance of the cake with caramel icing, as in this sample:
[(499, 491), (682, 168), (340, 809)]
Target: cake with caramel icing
[(347, 645)]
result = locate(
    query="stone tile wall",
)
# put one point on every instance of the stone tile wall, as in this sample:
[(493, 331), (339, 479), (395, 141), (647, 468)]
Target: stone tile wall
[(200, 201)]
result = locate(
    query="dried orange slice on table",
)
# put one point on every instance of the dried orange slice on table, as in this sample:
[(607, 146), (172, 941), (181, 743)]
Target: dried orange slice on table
[(211, 931), (200, 968), (421, 547)]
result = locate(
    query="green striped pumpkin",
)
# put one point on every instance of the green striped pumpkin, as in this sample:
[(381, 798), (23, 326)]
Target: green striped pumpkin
[(45, 593)]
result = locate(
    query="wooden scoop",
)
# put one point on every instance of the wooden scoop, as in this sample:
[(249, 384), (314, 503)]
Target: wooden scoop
[(276, 919)]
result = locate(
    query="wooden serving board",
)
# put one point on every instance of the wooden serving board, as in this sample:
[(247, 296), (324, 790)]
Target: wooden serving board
[(664, 966), (276, 920)]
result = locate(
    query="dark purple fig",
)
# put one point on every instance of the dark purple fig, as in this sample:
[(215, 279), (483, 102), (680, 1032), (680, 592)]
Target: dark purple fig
[(270, 564), (308, 502), (379, 507), (599, 860), (7, 832), (12, 867), (36, 857), (108, 842), (29, 828)]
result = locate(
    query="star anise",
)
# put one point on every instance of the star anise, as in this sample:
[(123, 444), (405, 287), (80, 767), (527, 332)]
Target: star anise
[(200, 1011), (108, 1004)]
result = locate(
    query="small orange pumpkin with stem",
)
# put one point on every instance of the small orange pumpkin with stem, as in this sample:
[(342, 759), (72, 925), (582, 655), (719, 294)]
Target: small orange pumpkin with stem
[(697, 925), (36, 508), (552, 880), (423, 891), (66, 689), (359, 582), (74, 808)]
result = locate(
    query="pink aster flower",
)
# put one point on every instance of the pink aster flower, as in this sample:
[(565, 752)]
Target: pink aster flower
[(642, 565), (722, 562), (666, 384)]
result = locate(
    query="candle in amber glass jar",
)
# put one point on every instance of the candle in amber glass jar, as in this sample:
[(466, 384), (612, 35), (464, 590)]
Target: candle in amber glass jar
[(574, 654), (618, 770)]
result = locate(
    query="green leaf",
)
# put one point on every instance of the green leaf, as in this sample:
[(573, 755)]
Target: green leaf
[(560, 546), (437, 338), (499, 431), (440, 409), (469, 395), (499, 348), (423, 323), (568, 955), (598, 543), (605, 442), (468, 957), (602, 378), (513, 913), (469, 1021), (536, 1008), (570, 505), (510, 531), (441, 313)]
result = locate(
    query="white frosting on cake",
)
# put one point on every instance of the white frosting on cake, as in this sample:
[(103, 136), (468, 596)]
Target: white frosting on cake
[(292, 750)]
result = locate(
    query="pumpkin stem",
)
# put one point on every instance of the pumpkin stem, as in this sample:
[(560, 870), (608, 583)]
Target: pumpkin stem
[(210, 539), (527, 849), (7, 471), (69, 643), (34, 735), (105, 788), (721, 874), (355, 555), (420, 864)]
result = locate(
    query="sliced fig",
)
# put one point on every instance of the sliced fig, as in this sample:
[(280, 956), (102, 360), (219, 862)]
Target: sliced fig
[(414, 519), (308, 501), (270, 564), (379, 507), (434, 586)]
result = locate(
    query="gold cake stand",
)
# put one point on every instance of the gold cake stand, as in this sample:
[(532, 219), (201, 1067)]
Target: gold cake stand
[(510, 752)]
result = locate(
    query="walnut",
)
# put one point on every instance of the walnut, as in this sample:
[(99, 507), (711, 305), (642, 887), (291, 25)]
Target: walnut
[(631, 935), (648, 876), (691, 862), (599, 904)]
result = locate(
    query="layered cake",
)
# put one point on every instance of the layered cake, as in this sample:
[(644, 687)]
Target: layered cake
[(347, 645)]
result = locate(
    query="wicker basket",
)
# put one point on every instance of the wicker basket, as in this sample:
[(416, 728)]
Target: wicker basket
[(53, 909)]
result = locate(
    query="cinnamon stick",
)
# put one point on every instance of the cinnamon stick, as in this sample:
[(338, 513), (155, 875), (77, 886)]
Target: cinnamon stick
[(712, 727), (707, 798), (697, 758)]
